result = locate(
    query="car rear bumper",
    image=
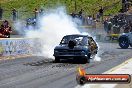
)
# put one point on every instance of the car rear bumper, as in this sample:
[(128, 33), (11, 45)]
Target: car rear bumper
[(71, 56)]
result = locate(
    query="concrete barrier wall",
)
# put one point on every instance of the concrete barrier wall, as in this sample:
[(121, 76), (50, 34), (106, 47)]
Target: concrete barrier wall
[(19, 46)]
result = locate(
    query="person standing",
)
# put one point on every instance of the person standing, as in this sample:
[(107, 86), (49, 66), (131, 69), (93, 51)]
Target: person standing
[(14, 14), (41, 12), (109, 27), (36, 12), (7, 29), (101, 11), (1, 13), (89, 20), (80, 13), (94, 26), (106, 25), (73, 15), (98, 17)]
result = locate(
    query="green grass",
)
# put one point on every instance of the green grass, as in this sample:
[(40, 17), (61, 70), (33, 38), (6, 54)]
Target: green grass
[(90, 7)]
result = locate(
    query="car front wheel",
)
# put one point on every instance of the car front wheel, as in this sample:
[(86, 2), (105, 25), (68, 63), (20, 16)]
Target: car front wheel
[(131, 44), (57, 59)]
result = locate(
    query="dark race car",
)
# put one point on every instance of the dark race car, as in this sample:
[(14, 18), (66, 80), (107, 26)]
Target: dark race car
[(79, 47)]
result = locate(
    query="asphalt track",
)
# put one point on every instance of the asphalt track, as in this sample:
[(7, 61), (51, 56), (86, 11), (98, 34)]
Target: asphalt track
[(41, 72)]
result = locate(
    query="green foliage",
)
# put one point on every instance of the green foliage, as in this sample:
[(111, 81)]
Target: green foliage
[(25, 7)]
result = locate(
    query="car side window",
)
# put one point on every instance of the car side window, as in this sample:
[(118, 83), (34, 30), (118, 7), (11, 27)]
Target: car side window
[(84, 41), (92, 43), (92, 40)]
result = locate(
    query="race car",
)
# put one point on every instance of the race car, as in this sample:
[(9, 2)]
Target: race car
[(76, 46), (125, 40)]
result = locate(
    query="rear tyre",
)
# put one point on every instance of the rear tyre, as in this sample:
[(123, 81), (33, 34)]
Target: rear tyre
[(84, 60), (88, 61), (89, 57), (57, 59), (123, 42), (131, 45)]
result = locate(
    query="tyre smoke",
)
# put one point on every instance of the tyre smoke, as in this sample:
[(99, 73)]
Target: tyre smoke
[(51, 27)]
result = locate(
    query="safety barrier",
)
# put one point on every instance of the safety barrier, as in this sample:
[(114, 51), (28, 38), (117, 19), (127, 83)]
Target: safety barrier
[(19, 46)]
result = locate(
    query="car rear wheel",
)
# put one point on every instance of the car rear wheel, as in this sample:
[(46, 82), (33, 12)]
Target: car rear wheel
[(84, 60), (57, 59), (87, 59), (123, 42), (131, 44)]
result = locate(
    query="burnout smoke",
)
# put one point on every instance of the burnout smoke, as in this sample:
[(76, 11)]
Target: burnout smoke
[(52, 27), (97, 57)]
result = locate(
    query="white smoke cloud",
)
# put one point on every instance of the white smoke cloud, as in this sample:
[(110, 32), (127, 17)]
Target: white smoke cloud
[(97, 56), (53, 26)]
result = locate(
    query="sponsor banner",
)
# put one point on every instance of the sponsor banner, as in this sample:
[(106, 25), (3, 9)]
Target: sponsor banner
[(82, 78), (19, 46)]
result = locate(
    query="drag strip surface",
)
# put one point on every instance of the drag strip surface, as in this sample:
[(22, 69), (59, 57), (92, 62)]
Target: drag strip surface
[(40, 72)]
